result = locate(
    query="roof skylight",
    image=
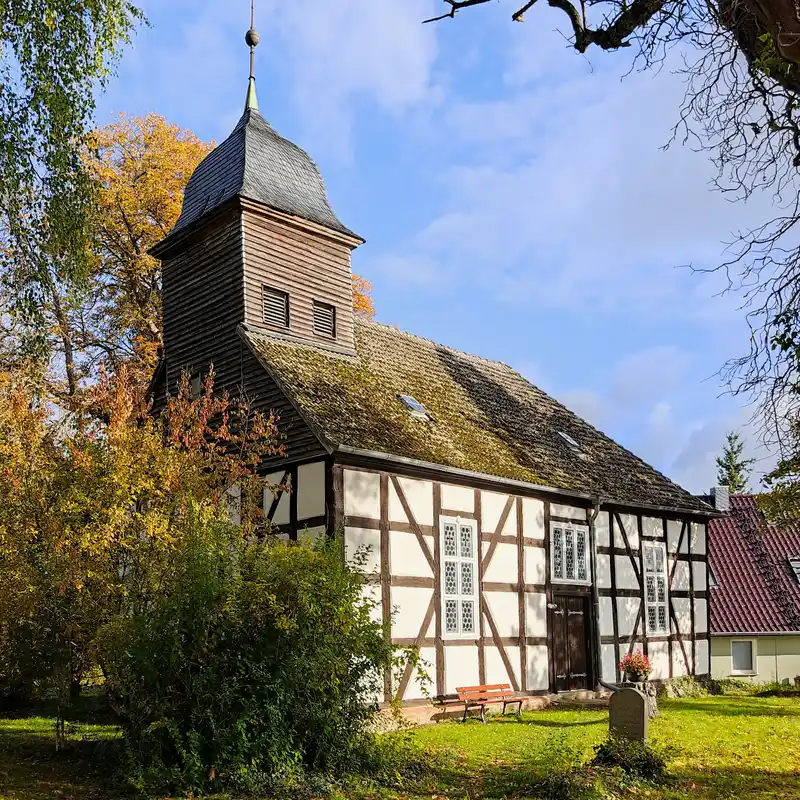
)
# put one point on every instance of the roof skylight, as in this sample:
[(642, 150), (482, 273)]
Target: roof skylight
[(414, 406), (569, 440), (794, 563)]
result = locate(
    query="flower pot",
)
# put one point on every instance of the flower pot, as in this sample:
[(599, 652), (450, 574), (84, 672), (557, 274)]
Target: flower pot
[(634, 677)]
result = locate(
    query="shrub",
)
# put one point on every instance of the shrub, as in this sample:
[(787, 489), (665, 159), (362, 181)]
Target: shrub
[(257, 665), (685, 686), (636, 759)]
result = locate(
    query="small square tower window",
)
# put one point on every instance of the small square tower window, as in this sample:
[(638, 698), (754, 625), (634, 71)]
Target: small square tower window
[(324, 319), (276, 307)]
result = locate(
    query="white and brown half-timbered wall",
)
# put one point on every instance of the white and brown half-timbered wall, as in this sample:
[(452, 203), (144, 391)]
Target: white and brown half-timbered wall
[(652, 580), (496, 587)]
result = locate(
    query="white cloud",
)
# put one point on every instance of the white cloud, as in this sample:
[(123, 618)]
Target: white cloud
[(336, 53)]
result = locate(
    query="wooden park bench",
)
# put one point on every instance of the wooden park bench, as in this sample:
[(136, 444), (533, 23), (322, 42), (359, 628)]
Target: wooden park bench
[(481, 696)]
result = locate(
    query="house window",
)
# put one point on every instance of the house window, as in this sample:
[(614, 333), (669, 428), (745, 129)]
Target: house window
[(794, 563), (324, 319), (743, 657), (655, 587), (276, 307), (459, 577), (569, 554)]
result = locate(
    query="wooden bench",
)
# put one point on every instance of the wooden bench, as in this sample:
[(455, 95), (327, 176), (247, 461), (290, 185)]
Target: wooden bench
[(481, 696)]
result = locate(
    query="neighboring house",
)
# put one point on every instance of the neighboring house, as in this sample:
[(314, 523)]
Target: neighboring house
[(510, 540), (754, 595)]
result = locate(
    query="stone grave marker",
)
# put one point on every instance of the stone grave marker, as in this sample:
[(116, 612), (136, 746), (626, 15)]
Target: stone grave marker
[(627, 714)]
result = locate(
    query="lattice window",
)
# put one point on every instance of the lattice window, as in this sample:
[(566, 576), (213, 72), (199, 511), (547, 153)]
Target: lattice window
[(569, 554), (459, 577), (655, 588)]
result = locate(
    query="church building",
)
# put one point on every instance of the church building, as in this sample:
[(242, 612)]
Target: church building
[(509, 540)]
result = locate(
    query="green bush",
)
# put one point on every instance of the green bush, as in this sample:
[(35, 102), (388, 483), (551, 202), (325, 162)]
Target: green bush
[(685, 686), (255, 668), (636, 759)]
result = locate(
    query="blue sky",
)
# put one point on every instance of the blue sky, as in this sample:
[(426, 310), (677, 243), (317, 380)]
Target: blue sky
[(514, 195)]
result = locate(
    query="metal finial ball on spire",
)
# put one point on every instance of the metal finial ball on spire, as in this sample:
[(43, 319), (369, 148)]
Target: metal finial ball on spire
[(251, 37)]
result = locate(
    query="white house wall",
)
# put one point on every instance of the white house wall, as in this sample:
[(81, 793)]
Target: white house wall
[(295, 500), (398, 518)]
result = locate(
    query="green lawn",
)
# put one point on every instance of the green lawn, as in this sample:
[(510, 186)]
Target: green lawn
[(731, 747)]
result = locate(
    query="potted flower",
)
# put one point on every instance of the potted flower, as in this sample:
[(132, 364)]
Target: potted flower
[(635, 666)]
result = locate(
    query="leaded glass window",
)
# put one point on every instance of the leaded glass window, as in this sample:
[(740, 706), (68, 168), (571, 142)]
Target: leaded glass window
[(459, 577), (569, 554), (655, 582)]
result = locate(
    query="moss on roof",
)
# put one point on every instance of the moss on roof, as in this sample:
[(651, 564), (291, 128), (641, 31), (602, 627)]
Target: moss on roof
[(485, 416)]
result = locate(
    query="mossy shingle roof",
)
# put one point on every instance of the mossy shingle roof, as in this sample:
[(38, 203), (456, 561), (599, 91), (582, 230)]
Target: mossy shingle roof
[(486, 417)]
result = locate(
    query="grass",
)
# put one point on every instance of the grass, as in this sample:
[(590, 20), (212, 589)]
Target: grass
[(726, 747)]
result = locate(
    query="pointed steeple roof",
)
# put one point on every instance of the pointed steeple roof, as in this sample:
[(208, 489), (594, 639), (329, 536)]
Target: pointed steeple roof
[(257, 163)]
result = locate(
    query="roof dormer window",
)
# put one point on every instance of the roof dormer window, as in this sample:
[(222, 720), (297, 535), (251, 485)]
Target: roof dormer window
[(794, 563), (276, 307)]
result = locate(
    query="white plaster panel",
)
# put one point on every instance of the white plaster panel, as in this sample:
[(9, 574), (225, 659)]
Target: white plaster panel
[(362, 494), (533, 518), (608, 662), (701, 657), (418, 687), (406, 556), (606, 616), (683, 613), (535, 565), (658, 653), (538, 668), (699, 570), (357, 538), (625, 574), (503, 567), (568, 512), (282, 515), (460, 667), (458, 498), (678, 663), (310, 535), (674, 528), (409, 606), (535, 614), (311, 490), (653, 526), (496, 671), (602, 527), (631, 525), (700, 616), (419, 496), (680, 581), (698, 539), (627, 613), (504, 607), (371, 592), (603, 571), (492, 505)]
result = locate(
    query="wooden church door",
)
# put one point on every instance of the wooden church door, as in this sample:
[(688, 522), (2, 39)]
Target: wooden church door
[(569, 620)]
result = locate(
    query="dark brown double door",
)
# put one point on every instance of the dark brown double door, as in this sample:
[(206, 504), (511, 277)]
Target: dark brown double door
[(569, 623)]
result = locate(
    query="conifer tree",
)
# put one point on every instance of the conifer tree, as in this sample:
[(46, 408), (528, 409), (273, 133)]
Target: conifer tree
[(733, 469)]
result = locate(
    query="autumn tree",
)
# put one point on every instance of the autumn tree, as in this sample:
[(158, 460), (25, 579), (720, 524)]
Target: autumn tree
[(140, 166), (733, 469), (90, 503)]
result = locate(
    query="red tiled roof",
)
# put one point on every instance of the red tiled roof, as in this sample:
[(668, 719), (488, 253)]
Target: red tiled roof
[(756, 590)]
